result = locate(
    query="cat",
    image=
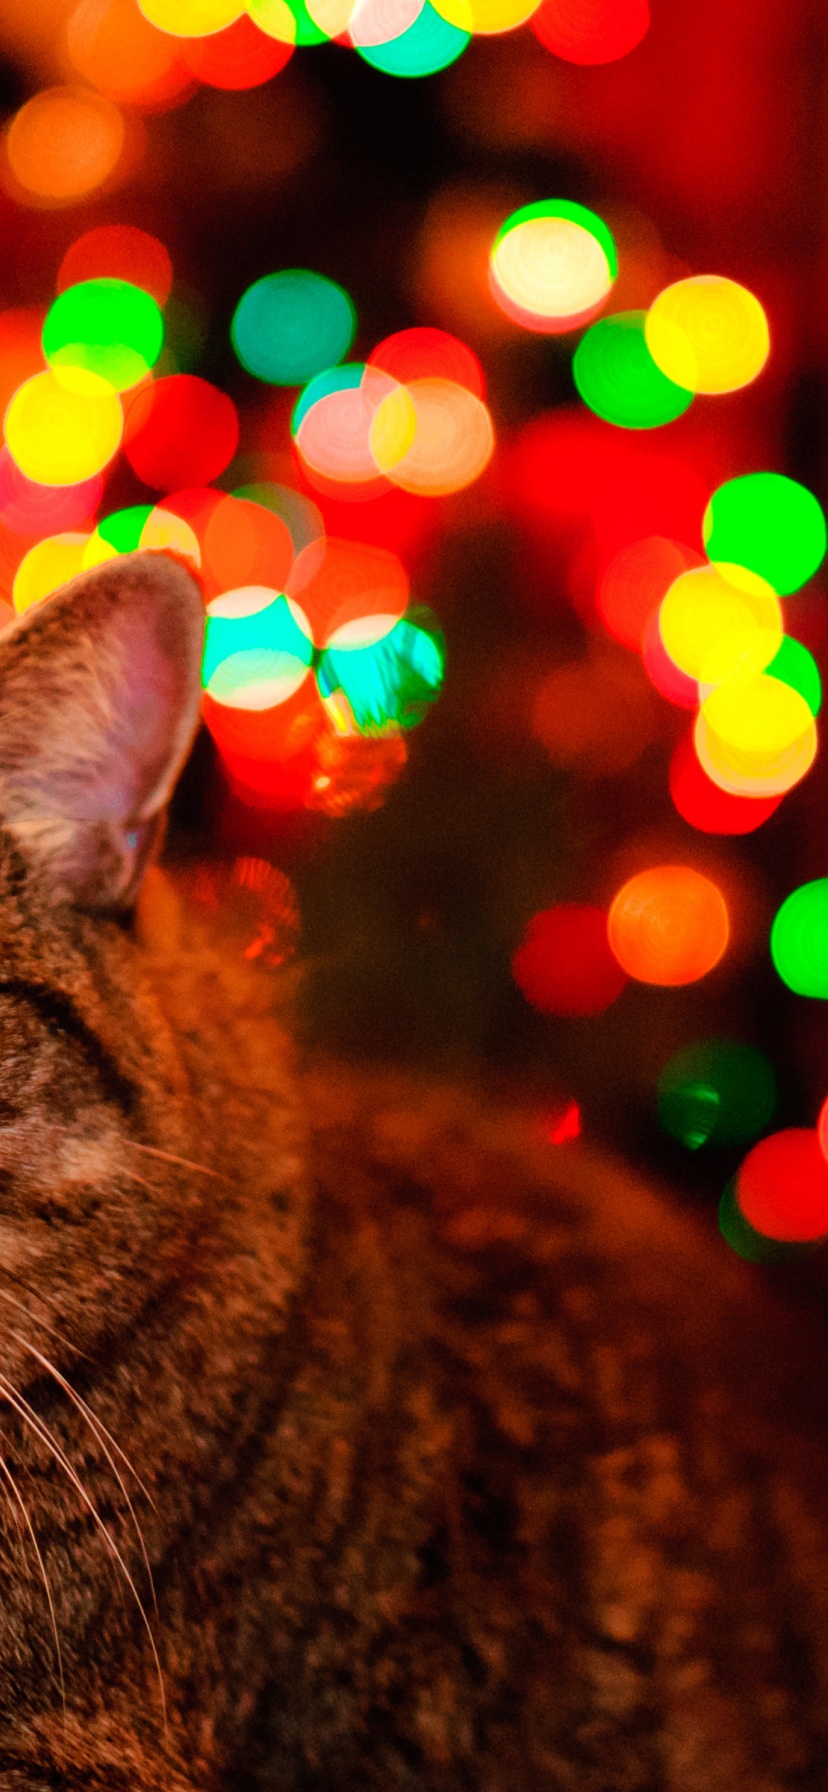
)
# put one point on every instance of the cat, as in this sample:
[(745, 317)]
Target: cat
[(351, 1436)]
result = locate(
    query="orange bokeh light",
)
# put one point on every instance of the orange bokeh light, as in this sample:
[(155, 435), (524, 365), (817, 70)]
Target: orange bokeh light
[(64, 143), (668, 925), (118, 51)]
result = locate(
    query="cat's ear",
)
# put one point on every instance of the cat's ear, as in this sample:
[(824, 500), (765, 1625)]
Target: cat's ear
[(99, 703)]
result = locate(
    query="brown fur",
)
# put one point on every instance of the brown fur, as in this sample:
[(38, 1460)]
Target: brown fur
[(460, 1463)]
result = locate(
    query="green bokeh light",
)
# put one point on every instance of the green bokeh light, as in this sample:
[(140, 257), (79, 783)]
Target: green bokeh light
[(124, 527), (428, 45), (769, 523), (290, 326), (564, 208), (618, 378), (795, 666), (799, 940), (716, 1092), (392, 682), (107, 326), (269, 630)]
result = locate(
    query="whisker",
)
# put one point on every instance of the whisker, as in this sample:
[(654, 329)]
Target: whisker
[(30, 1418), (170, 1158), (6, 1472), (27, 1289), (103, 1437)]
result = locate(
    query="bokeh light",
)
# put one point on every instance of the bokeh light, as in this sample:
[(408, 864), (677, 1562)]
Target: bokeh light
[(769, 523), (336, 583), (60, 434), (431, 43), (618, 378), (290, 326), (782, 1186), (712, 627), (21, 350), (635, 581), (552, 265), (426, 353), (676, 686), (799, 940), (594, 715), (245, 544), (116, 49), (794, 665), (254, 620), (369, 685), (108, 326), (141, 527), (453, 439), (488, 18), (191, 18), (591, 31), (64, 143), (239, 57), (332, 424), (564, 965), (704, 805), (755, 736), (668, 925), (746, 1241), (118, 252), (31, 509), (180, 431), (708, 333), (716, 1092), (47, 566)]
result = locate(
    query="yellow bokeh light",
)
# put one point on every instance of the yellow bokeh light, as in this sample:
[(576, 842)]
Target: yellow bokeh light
[(755, 736), (708, 334), (164, 530), (60, 434), (64, 143), (191, 18), (551, 268), (453, 441), (275, 19), (393, 428), (47, 566), (97, 551), (711, 627), (486, 18)]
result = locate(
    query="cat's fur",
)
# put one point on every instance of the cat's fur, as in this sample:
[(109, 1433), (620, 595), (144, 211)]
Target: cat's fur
[(460, 1463)]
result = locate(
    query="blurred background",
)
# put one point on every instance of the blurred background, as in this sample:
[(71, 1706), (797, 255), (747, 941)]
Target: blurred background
[(541, 775)]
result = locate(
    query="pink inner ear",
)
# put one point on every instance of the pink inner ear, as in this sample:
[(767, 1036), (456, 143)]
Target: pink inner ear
[(140, 757)]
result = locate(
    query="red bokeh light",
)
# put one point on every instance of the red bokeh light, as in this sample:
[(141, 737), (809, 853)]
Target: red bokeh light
[(241, 56), (782, 1186), (590, 31), (180, 431), (118, 252), (425, 353), (635, 581), (565, 965), (705, 805)]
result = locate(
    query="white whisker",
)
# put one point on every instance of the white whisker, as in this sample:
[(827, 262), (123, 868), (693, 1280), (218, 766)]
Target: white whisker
[(30, 1418), (103, 1437), (12, 1484), (170, 1158)]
